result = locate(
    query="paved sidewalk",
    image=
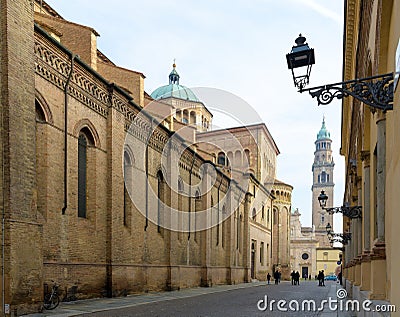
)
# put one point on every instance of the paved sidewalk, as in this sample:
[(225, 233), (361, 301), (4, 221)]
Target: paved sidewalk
[(80, 307), (333, 294)]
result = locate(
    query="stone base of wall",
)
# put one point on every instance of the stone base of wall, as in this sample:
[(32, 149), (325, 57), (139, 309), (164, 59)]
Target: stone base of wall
[(82, 281), (361, 296)]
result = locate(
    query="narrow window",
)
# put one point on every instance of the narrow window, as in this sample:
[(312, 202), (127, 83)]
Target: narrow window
[(127, 182), (197, 207), (180, 209), (262, 253), (82, 175), (160, 189)]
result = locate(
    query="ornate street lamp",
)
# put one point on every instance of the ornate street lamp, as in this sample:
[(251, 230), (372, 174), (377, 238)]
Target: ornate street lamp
[(342, 238), (376, 91), (352, 212), (300, 56)]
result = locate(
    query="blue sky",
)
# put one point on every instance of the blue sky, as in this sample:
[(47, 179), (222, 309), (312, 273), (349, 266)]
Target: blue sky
[(238, 46)]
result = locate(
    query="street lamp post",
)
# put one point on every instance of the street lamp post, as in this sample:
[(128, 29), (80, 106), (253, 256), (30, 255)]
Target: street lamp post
[(376, 91), (351, 212)]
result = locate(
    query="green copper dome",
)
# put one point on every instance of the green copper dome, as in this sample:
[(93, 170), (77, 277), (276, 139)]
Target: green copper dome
[(323, 133), (174, 89)]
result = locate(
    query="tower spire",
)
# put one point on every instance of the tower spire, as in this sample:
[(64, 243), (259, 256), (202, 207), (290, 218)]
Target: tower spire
[(173, 75)]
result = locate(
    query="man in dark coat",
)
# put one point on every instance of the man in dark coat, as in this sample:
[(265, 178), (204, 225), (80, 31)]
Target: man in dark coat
[(293, 276), (297, 278)]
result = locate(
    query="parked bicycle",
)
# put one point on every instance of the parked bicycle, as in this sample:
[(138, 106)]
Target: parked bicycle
[(51, 300)]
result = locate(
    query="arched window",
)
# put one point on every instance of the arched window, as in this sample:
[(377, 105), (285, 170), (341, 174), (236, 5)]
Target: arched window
[(127, 184), (275, 216), (262, 212), (247, 155), (192, 117), (40, 116), (323, 177), (160, 194), (85, 140), (82, 175), (254, 214), (180, 209), (221, 159), (185, 116), (41, 136), (197, 207)]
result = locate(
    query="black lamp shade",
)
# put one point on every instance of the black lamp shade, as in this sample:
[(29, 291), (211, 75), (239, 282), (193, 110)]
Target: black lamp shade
[(328, 228), (322, 198), (300, 56)]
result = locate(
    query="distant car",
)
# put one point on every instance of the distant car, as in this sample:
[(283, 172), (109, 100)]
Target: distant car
[(330, 278)]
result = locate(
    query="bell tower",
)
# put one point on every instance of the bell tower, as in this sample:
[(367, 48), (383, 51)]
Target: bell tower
[(322, 169)]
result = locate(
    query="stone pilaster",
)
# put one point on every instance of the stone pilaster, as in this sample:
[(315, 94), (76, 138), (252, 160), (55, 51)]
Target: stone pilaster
[(23, 258)]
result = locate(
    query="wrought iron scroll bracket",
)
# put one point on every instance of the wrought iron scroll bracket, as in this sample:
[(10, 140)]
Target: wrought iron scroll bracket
[(376, 91), (352, 212)]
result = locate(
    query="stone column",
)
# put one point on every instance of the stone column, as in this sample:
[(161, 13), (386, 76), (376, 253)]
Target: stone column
[(378, 256), (381, 179), (246, 237), (366, 204), (365, 155)]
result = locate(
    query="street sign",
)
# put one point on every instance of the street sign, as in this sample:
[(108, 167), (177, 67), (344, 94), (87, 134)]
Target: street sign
[(339, 262)]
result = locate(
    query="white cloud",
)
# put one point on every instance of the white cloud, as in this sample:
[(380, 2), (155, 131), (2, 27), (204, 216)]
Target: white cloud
[(322, 10)]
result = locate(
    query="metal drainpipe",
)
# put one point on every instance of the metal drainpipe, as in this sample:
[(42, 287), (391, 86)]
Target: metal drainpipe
[(146, 154), (66, 132), (2, 232), (3, 216), (190, 190)]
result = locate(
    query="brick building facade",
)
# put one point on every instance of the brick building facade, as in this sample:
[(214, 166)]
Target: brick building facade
[(89, 198)]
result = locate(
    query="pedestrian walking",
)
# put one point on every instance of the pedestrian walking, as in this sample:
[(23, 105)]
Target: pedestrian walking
[(319, 278), (322, 278), (268, 278), (297, 278), (293, 274), (276, 277)]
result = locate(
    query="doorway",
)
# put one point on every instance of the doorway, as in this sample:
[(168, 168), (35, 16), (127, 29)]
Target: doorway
[(304, 272), (253, 259)]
